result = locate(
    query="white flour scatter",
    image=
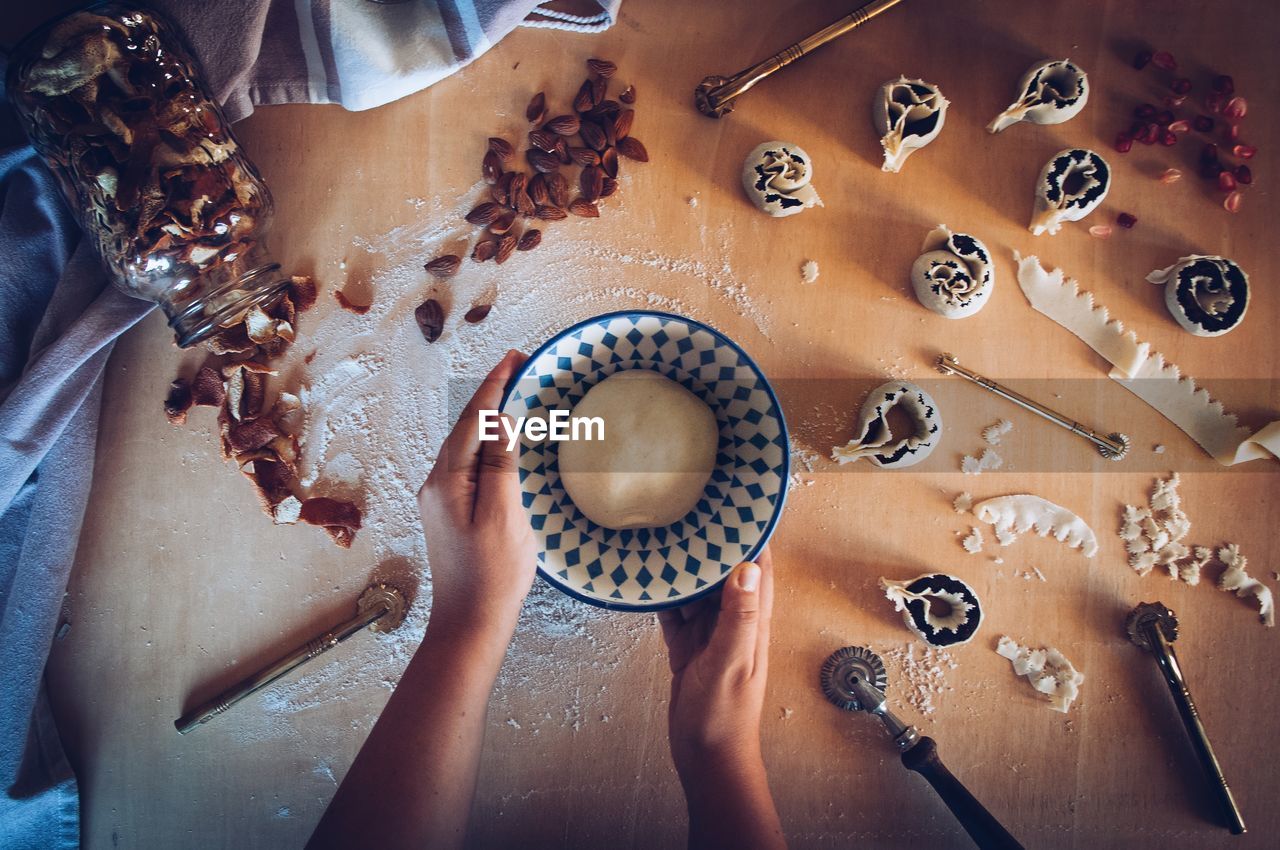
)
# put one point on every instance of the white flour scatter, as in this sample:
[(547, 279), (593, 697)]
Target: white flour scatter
[(918, 675)]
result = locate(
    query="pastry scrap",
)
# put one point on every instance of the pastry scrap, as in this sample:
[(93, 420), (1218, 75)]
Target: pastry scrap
[(776, 177), (973, 542), (1014, 515), (809, 271), (952, 276), (1071, 186), (1143, 372), (994, 433), (941, 609), (962, 503), (1208, 296), (908, 114), (875, 441), (1237, 579), (988, 460), (1153, 535), (1049, 93), (1047, 669)]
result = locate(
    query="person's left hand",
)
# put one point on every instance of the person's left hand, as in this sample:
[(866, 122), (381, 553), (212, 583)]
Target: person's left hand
[(479, 539)]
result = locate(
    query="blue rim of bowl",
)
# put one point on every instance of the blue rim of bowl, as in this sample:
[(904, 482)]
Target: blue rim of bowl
[(782, 426)]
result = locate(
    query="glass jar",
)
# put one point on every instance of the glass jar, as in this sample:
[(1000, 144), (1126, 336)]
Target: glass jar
[(114, 103)]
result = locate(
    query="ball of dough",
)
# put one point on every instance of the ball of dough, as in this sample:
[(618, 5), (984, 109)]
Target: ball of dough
[(658, 452)]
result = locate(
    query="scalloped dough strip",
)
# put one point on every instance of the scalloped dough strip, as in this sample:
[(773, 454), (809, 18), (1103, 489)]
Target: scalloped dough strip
[(1018, 514), (1144, 372)]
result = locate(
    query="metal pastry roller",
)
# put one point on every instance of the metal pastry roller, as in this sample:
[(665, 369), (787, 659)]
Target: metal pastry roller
[(854, 679), (380, 607), (1153, 627), (1113, 446), (715, 95)]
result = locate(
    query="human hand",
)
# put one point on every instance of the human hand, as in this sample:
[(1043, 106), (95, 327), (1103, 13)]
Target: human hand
[(719, 654), (479, 540)]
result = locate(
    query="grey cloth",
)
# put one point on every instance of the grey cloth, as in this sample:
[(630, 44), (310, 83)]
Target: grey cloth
[(59, 319)]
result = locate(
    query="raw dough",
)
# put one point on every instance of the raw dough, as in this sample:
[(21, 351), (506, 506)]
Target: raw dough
[(1234, 577), (1071, 186), (776, 177), (658, 452), (1014, 515), (1153, 535), (1143, 372), (908, 114), (952, 276), (884, 448), (1049, 93), (1047, 669), (920, 599), (1208, 296)]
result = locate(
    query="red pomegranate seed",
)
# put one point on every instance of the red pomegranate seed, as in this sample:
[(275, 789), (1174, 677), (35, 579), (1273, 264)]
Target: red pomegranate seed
[(1171, 175), (1168, 138), (1182, 126), (1126, 220), (1164, 59), (1209, 153), (1151, 134), (1164, 118), (1214, 103), (1235, 108), (1124, 144), (1227, 181), (1232, 202), (1173, 101), (1244, 151), (1233, 132), (1142, 59), (1210, 170), (1180, 86), (1244, 175), (1203, 123), (1224, 85), (1144, 111)]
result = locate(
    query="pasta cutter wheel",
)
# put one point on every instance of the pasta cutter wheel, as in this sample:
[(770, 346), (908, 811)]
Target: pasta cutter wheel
[(854, 679)]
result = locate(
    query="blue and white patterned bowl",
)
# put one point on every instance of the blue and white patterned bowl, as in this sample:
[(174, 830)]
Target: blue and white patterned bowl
[(646, 569)]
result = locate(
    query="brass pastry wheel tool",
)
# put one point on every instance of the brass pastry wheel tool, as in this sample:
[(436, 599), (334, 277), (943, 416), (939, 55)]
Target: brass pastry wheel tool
[(1113, 446), (854, 679), (380, 608), (715, 95), (1153, 627)]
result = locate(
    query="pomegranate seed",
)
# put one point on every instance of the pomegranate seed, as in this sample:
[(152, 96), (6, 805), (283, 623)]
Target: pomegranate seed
[(1150, 135), (1164, 118), (1126, 220), (1182, 126), (1233, 132), (1144, 111), (1136, 129), (1142, 59), (1214, 103), (1235, 109), (1232, 202), (1210, 170), (1227, 181), (1209, 153), (1224, 85), (1124, 144), (1164, 59), (1168, 138), (1102, 231), (1171, 175), (1244, 175), (1174, 101), (1203, 123), (1180, 86), (1244, 151)]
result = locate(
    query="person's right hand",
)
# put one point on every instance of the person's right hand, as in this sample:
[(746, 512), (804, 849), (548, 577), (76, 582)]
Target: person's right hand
[(719, 653)]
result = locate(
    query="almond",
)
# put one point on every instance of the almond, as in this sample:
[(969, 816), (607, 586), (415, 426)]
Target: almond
[(593, 135), (483, 214), (529, 240), (502, 148), (562, 151), (562, 125), (558, 189), (631, 148), (542, 140), (538, 189), (537, 108), (477, 313), (506, 246), (541, 160), (628, 95), (524, 204), (430, 318), (584, 156), (446, 265), (622, 124), (609, 162), (583, 100), (605, 109), (501, 190), (583, 207), (603, 67), (503, 223), (599, 86), (591, 181), (491, 167), (610, 186), (550, 213), (484, 250)]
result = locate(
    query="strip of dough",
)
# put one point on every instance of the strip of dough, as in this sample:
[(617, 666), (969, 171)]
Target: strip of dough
[(1144, 372)]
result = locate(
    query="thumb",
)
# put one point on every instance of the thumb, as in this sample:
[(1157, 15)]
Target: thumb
[(734, 640), (496, 479)]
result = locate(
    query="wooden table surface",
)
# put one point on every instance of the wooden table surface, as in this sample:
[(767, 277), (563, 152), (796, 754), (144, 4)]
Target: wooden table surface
[(181, 584)]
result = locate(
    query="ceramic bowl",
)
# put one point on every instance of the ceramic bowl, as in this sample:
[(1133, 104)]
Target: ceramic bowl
[(651, 568)]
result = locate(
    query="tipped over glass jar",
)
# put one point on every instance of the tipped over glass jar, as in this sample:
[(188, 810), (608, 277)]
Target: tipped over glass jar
[(112, 100)]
